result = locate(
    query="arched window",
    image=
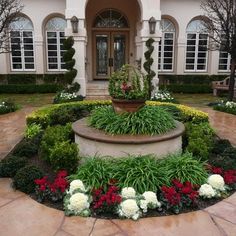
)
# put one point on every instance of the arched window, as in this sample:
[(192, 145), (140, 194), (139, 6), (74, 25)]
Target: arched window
[(166, 46), (197, 43), (110, 19), (55, 33), (22, 45)]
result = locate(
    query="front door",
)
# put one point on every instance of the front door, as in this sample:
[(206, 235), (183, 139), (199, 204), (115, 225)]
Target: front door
[(110, 53)]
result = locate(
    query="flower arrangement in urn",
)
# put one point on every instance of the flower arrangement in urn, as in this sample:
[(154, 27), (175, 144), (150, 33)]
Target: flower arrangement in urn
[(128, 88)]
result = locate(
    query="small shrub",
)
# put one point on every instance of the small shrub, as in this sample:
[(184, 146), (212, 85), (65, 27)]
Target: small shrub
[(64, 155), (65, 96), (33, 130), (228, 107), (7, 106), (200, 139), (185, 168), (53, 135), (24, 178), (148, 120), (26, 148), (220, 146), (9, 166), (94, 172)]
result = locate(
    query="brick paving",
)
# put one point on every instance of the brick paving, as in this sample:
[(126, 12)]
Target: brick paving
[(20, 215)]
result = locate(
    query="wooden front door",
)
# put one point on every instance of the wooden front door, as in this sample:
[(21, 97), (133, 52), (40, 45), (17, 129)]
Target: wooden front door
[(110, 53)]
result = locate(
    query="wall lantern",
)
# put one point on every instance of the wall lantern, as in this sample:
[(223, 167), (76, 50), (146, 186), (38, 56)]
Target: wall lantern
[(74, 23), (152, 25)]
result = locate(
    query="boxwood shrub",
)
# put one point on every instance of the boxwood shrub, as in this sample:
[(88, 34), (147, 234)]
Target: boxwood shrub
[(24, 178)]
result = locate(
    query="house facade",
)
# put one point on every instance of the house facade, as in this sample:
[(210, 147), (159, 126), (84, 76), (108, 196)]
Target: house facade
[(111, 33)]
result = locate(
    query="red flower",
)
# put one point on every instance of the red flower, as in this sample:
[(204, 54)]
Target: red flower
[(42, 188), (230, 177), (216, 170), (41, 181), (177, 183), (62, 174), (186, 190)]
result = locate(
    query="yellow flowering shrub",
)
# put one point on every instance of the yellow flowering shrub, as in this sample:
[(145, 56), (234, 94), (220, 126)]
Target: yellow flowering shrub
[(42, 116)]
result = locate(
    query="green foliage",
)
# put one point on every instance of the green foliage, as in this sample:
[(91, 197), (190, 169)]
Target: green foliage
[(94, 172), (128, 83), (220, 145), (10, 165), (64, 156), (24, 178), (188, 88), (148, 63), (21, 79), (7, 106), (200, 139), (143, 173), (27, 147), (33, 130), (30, 88), (52, 136), (223, 108), (185, 168), (148, 120)]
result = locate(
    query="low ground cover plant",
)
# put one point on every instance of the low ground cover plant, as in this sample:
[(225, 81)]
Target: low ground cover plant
[(7, 106), (148, 120), (163, 96), (226, 106), (65, 96)]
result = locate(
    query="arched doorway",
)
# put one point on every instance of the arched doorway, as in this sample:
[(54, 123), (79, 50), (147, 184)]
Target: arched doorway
[(110, 43), (112, 28)]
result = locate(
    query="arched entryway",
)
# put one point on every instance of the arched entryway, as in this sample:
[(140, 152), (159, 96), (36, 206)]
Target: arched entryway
[(111, 31)]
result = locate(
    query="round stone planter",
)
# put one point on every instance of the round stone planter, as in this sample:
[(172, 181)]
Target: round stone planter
[(93, 142), (123, 105)]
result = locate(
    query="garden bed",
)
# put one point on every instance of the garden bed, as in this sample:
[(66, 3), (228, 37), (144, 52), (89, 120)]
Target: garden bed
[(49, 147)]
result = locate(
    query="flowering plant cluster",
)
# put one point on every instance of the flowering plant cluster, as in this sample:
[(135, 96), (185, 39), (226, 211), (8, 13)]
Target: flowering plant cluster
[(226, 106), (214, 187), (53, 191), (179, 195), (162, 96), (64, 96), (77, 200), (106, 201), (128, 83), (134, 205), (7, 106)]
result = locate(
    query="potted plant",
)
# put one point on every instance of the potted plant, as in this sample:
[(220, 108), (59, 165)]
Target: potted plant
[(128, 88)]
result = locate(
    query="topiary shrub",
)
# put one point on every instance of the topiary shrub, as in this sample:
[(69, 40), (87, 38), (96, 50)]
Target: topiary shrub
[(53, 135), (24, 178), (64, 155), (10, 165)]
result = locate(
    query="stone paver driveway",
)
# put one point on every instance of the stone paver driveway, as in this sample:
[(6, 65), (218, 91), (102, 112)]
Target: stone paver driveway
[(22, 216)]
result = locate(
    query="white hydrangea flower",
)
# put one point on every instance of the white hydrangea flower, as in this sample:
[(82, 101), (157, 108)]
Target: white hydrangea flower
[(129, 208), (207, 191), (217, 182), (76, 184), (151, 199), (128, 193), (78, 203)]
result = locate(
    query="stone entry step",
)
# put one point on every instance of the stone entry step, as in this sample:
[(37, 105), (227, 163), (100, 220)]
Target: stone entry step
[(97, 89)]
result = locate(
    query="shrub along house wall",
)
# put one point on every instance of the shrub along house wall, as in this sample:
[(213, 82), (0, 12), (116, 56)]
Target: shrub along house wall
[(31, 83), (189, 83)]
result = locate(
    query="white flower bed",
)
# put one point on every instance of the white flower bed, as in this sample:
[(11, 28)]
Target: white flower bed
[(217, 182), (162, 95), (75, 185), (128, 193), (129, 209), (206, 191)]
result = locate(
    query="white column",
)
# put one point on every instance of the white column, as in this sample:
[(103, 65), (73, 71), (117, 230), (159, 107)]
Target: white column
[(180, 56), (39, 56), (213, 64)]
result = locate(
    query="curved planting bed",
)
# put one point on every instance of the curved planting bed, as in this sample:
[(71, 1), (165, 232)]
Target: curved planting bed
[(46, 165)]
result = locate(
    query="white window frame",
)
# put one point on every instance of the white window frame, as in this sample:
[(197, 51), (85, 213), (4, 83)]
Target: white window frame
[(162, 46), (228, 62), (22, 52), (58, 51), (196, 53)]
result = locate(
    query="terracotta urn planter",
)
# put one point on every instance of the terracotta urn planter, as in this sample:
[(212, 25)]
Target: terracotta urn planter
[(123, 105)]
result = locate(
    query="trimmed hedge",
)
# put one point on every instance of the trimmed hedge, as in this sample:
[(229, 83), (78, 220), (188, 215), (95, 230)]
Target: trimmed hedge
[(43, 116), (187, 88), (30, 88)]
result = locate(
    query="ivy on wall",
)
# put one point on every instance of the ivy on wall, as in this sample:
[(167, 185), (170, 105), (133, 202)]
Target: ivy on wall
[(148, 63)]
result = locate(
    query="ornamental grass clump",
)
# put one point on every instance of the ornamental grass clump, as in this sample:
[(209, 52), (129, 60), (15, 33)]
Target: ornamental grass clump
[(149, 120)]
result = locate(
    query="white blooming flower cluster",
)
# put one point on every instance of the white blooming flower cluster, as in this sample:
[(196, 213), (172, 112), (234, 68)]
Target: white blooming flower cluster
[(2, 104), (77, 201), (67, 96), (162, 95), (231, 105), (149, 201), (134, 205), (215, 185)]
